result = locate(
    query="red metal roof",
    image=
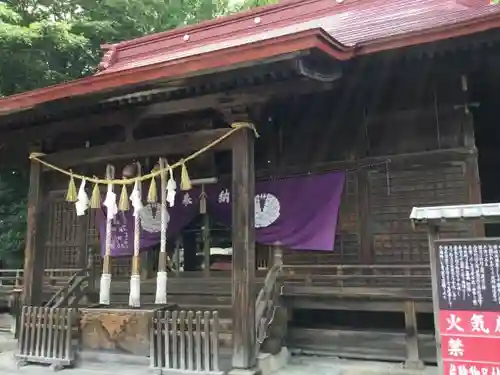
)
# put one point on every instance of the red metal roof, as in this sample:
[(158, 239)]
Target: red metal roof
[(353, 23), (341, 28)]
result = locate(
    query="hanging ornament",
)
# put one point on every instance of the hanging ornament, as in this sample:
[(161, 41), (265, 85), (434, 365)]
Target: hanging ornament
[(203, 200), (82, 204), (135, 199), (71, 194), (171, 188), (110, 200), (136, 196), (185, 180), (123, 204), (95, 200)]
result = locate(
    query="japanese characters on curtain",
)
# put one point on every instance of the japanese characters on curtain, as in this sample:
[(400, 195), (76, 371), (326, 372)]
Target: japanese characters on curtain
[(468, 283), (299, 212)]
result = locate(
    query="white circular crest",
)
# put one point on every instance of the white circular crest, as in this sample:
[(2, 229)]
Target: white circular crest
[(149, 222), (267, 210)]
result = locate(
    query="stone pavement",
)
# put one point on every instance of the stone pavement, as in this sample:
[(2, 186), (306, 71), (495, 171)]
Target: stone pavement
[(299, 365)]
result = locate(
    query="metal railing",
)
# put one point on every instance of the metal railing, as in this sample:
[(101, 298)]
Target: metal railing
[(185, 342)]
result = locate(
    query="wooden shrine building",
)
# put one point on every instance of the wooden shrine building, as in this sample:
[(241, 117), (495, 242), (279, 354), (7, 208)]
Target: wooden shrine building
[(401, 95)]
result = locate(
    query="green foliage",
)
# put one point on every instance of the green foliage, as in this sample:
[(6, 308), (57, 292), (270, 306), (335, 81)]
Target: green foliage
[(44, 42), (13, 190), (248, 4)]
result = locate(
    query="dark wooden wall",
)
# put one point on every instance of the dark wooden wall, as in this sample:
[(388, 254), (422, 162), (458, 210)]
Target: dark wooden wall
[(404, 143), (405, 169), (416, 158)]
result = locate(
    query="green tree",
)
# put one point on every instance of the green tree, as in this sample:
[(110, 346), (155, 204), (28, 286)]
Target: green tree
[(13, 191), (44, 42)]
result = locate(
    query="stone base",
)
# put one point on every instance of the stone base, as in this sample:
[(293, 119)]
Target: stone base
[(268, 363), (414, 365), (117, 330), (238, 371), (105, 358)]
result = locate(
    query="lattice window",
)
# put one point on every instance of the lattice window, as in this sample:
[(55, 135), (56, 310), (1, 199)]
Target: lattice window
[(61, 247), (394, 239)]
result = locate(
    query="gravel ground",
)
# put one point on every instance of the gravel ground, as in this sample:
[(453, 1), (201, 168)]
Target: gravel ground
[(298, 365)]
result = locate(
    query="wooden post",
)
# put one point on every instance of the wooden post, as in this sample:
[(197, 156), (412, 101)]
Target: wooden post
[(243, 264), (146, 266), (81, 239), (366, 255), (413, 360), (206, 245), (433, 236), (472, 171), (34, 253)]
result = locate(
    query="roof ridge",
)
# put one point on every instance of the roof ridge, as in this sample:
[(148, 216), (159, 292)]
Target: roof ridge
[(209, 24)]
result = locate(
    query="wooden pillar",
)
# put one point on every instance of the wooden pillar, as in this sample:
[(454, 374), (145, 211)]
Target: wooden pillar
[(472, 171), (433, 235), (146, 264), (34, 253), (243, 265), (413, 360), (81, 239), (206, 245), (366, 255)]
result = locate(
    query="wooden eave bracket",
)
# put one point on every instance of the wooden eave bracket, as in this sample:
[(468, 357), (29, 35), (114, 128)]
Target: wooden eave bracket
[(224, 58)]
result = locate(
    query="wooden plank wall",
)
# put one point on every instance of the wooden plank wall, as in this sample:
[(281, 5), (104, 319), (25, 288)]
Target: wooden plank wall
[(413, 177), (376, 203)]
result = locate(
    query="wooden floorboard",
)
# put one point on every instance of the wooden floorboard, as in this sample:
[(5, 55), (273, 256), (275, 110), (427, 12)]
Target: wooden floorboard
[(368, 345)]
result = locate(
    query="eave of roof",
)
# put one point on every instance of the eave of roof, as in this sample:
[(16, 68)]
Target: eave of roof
[(188, 65), (283, 29)]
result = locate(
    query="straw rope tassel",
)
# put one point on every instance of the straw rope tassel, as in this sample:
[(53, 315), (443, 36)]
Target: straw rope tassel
[(161, 279), (95, 200), (71, 195), (185, 180), (123, 204), (152, 193), (105, 286), (135, 278)]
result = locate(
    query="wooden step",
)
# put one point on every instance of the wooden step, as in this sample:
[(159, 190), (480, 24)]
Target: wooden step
[(178, 299)]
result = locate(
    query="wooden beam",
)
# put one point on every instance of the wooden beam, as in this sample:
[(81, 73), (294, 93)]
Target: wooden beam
[(243, 275), (34, 257), (80, 124), (400, 160), (139, 113), (242, 96), (169, 144)]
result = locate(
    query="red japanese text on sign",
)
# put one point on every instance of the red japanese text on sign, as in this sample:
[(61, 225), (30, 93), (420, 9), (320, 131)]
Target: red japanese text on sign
[(464, 368), (470, 337)]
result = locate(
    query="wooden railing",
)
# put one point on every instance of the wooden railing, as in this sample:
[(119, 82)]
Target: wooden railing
[(13, 278), (370, 278), (268, 299), (70, 294), (186, 342), (46, 336), (76, 288)]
